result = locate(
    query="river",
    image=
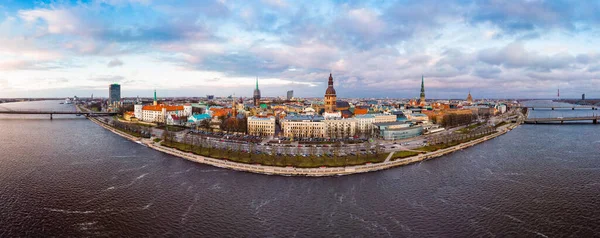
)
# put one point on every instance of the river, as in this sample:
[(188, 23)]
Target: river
[(70, 177)]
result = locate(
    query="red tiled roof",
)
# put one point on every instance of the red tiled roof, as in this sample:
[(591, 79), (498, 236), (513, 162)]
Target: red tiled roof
[(159, 107)]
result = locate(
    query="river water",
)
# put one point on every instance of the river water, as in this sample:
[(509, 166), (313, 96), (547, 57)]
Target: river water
[(70, 177)]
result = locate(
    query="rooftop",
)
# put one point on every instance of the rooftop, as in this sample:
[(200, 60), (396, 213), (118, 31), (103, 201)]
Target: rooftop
[(304, 118), (389, 123), (261, 118)]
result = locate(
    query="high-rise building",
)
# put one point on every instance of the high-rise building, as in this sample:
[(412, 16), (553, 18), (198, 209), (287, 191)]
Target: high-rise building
[(256, 96), (330, 96), (290, 94), (114, 93), (583, 96), (422, 100)]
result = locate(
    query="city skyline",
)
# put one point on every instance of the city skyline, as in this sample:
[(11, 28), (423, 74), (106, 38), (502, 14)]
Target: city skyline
[(492, 49)]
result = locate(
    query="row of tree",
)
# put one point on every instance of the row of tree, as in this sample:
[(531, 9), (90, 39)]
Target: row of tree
[(144, 131), (454, 120), (455, 137)]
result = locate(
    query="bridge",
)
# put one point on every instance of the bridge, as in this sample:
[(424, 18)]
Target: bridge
[(38, 112), (594, 119), (561, 107)]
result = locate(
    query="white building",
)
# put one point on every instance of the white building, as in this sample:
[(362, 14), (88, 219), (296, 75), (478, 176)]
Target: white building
[(364, 123), (501, 108), (158, 113), (329, 115)]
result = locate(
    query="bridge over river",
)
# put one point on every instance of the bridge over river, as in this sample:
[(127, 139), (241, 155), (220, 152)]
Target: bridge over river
[(594, 119), (41, 112), (574, 107)]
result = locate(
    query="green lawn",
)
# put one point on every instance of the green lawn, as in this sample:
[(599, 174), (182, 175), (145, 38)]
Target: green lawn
[(173, 128), (431, 148), (403, 154), (129, 132), (500, 124)]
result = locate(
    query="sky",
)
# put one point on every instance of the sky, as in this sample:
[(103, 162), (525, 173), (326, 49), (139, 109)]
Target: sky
[(492, 48)]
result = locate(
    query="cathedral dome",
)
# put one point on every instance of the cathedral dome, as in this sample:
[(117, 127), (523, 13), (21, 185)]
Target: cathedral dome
[(330, 90)]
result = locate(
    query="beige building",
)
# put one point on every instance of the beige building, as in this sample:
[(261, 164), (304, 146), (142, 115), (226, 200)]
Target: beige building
[(379, 118), (261, 126), (303, 127), (340, 128)]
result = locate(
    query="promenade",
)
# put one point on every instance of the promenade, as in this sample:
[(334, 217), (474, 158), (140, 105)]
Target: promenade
[(314, 172)]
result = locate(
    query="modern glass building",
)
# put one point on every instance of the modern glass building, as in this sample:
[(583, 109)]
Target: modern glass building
[(402, 133), (114, 93), (397, 130)]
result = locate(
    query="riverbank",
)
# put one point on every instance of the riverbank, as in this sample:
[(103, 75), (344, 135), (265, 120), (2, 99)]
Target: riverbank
[(313, 172)]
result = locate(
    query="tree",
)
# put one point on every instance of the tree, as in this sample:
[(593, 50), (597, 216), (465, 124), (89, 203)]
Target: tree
[(187, 140), (205, 124)]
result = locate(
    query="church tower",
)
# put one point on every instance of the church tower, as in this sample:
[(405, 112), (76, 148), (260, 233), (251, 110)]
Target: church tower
[(155, 101), (256, 94), (422, 100), (330, 96)]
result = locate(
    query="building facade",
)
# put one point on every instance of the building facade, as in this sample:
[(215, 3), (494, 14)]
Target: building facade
[(397, 130), (364, 124), (403, 133), (340, 128), (261, 126), (303, 127), (330, 96), (158, 113), (384, 117), (290, 94)]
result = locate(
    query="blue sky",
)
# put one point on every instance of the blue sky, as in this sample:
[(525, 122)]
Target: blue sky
[(494, 48)]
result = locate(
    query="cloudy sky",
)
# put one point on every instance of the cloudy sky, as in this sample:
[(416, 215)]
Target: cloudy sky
[(494, 48)]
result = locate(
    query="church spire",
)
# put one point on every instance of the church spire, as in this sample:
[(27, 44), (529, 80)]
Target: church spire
[(155, 101), (256, 82), (422, 99)]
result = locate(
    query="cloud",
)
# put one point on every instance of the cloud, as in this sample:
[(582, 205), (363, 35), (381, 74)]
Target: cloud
[(58, 21), (514, 55), (106, 78), (114, 63), (519, 16)]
